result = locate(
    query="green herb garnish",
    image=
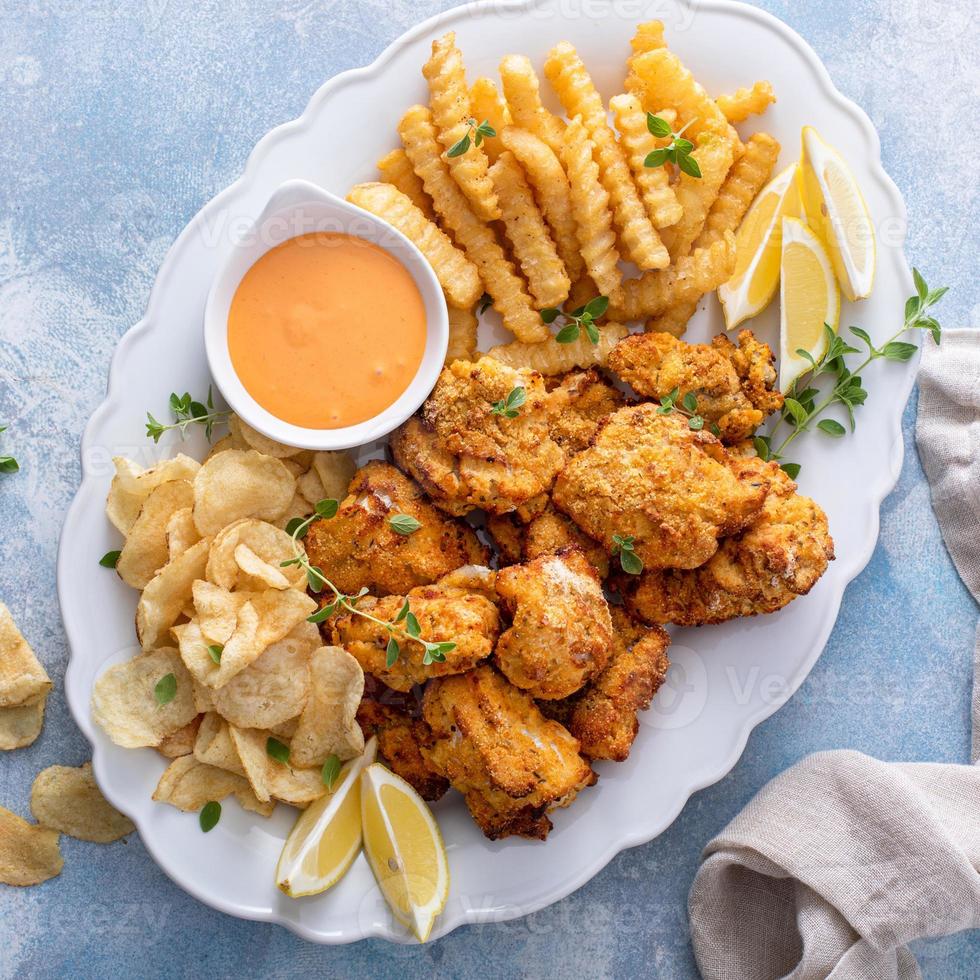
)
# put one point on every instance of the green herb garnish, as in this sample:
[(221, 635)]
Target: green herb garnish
[(581, 319), (209, 816), (330, 771), (110, 559), (629, 560), (7, 463), (509, 407), (165, 690), (679, 150), (215, 651), (187, 411), (403, 524), (277, 750), (474, 133), (688, 408)]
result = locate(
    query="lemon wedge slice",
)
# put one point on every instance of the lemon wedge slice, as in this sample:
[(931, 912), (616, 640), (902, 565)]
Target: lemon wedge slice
[(836, 210), (404, 849), (809, 298), (757, 249), (327, 836)]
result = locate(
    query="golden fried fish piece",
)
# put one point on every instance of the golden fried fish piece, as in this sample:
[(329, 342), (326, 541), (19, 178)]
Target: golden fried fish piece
[(735, 387), (466, 454), (650, 476), (780, 556), (584, 398), (560, 634), (492, 743), (445, 614), (359, 549)]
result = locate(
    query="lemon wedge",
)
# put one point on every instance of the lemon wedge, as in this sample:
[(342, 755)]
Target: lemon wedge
[(757, 249), (327, 836), (809, 298), (836, 210), (404, 849)]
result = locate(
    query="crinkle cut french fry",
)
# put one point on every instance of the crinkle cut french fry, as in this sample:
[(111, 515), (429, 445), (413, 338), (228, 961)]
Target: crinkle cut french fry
[(738, 106), (590, 206), (458, 276), (510, 299), (748, 175), (673, 320), (637, 142), (463, 326), (571, 80), (547, 177), (450, 103), (690, 278), (487, 105), (396, 169), (648, 37), (529, 237), (549, 357), (523, 95), (697, 194), (582, 291)]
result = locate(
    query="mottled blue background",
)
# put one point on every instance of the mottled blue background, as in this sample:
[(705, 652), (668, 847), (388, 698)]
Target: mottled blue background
[(120, 119)]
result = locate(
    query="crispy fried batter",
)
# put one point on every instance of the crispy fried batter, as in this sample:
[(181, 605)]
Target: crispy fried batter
[(551, 532), (493, 744), (466, 456), (445, 613), (735, 386), (583, 398), (358, 548), (603, 715), (778, 557), (400, 738), (676, 491), (561, 632)]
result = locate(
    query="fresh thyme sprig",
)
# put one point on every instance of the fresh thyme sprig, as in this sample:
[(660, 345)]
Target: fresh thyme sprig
[(7, 463), (679, 150), (688, 408), (297, 529), (581, 319), (475, 133), (629, 560), (509, 407), (803, 406), (187, 412)]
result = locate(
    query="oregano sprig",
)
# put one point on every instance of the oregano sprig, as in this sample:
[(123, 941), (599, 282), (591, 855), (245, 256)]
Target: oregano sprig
[(629, 560), (297, 528), (678, 151), (688, 407), (475, 134), (7, 463), (578, 320), (187, 411), (509, 407)]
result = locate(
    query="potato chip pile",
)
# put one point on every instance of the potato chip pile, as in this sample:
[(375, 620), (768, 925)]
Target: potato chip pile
[(24, 687), (540, 212), (232, 683)]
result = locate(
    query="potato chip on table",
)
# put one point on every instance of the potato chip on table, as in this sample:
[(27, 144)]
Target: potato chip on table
[(67, 799), (29, 853), (24, 687)]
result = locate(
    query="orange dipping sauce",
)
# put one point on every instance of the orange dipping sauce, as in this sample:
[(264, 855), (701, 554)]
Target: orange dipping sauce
[(326, 330)]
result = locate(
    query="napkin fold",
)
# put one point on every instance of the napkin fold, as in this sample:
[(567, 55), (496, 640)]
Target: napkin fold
[(842, 860)]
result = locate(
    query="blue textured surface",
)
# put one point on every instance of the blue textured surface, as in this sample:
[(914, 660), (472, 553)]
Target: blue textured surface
[(120, 121)]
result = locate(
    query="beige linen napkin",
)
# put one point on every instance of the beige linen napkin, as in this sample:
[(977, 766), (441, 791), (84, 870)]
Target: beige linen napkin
[(841, 861)]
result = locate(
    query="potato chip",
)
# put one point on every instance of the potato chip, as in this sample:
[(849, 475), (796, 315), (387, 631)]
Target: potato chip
[(275, 687), (590, 206), (300, 507), (132, 485), (67, 799), (21, 724), (310, 487), (181, 532), (265, 619), (328, 725), (29, 853), (568, 75), (125, 702), (550, 357), (396, 169), (268, 545), (745, 102), (271, 779), (237, 484), (147, 550), (463, 328), (251, 438), (336, 470), (528, 234), (547, 176), (449, 100), (487, 106), (165, 596), (214, 746), (22, 678), (510, 299), (230, 441), (181, 742), (216, 610), (522, 92), (458, 276), (188, 784)]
